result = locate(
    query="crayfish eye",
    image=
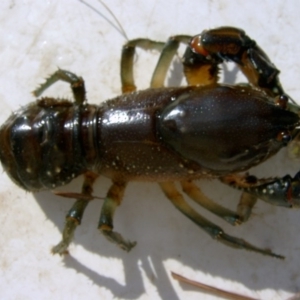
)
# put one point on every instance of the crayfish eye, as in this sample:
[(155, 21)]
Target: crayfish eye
[(284, 137), (282, 101)]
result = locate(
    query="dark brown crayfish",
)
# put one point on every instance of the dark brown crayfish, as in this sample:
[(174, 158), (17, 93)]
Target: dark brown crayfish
[(204, 130)]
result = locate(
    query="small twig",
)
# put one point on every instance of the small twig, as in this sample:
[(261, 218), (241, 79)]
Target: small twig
[(211, 289)]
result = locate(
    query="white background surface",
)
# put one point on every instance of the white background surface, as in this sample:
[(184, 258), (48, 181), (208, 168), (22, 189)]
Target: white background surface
[(36, 37)]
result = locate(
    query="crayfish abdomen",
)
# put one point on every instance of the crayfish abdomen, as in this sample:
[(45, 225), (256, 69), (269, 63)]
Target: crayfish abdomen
[(46, 144)]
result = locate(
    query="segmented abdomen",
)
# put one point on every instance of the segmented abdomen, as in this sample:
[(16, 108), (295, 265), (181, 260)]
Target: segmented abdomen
[(49, 142)]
